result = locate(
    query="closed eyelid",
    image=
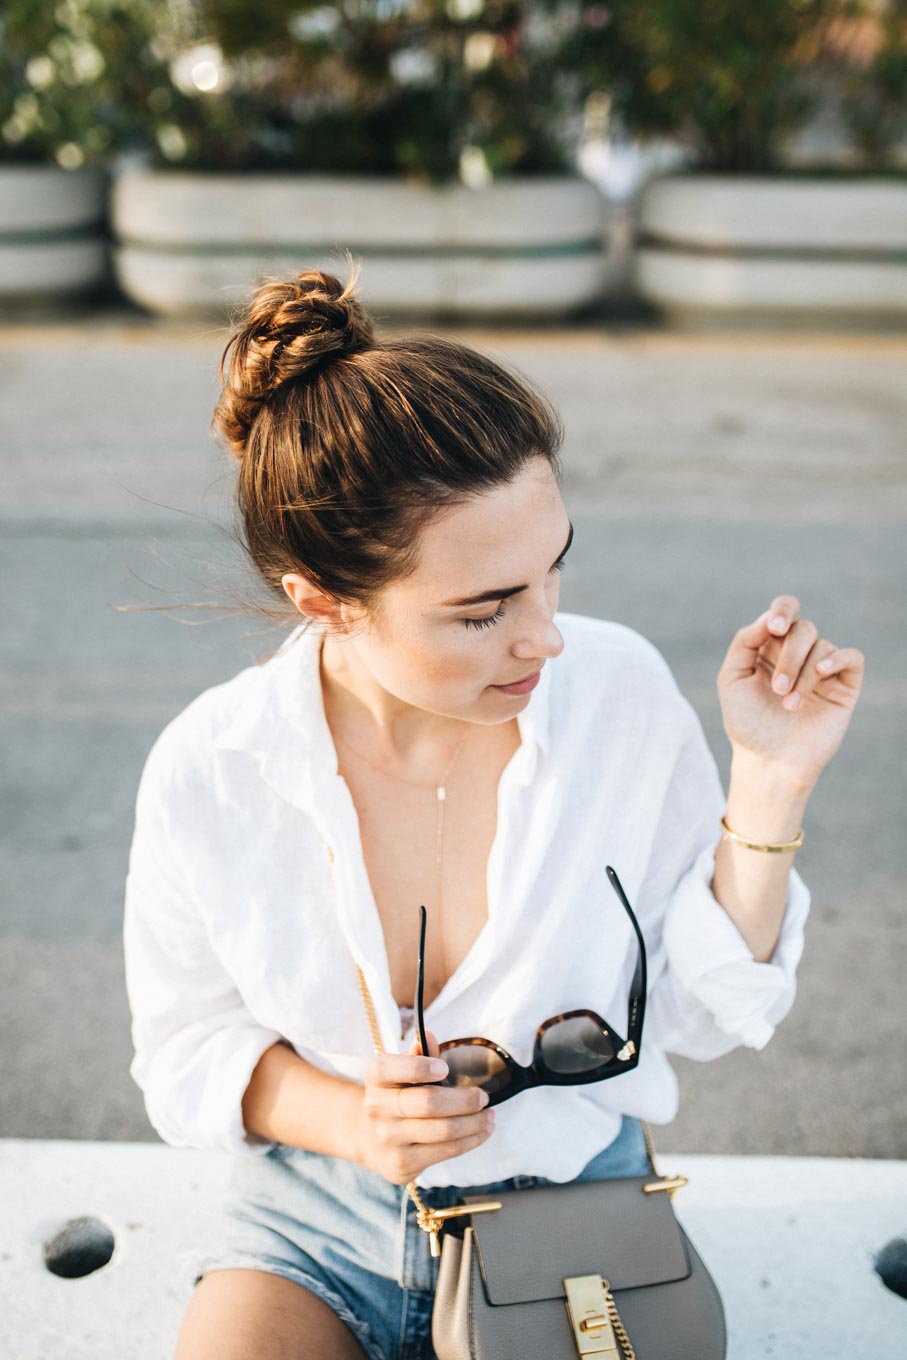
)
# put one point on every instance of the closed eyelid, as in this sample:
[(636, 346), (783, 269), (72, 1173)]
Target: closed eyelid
[(488, 620)]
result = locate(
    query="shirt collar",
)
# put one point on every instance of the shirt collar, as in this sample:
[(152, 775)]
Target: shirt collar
[(290, 697)]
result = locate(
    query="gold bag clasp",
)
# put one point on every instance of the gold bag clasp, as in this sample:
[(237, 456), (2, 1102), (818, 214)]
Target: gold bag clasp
[(436, 1218), (668, 1183), (588, 1314)]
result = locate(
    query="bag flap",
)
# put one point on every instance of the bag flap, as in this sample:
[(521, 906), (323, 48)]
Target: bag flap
[(546, 1233)]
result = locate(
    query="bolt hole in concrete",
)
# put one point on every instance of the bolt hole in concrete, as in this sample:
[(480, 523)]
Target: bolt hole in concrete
[(81, 1246), (891, 1266)]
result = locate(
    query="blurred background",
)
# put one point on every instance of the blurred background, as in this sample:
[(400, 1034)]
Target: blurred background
[(686, 222)]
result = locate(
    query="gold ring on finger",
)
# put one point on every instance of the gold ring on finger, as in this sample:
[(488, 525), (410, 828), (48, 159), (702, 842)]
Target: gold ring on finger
[(400, 1109)]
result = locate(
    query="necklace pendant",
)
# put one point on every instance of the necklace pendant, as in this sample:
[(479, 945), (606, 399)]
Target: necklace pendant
[(441, 791)]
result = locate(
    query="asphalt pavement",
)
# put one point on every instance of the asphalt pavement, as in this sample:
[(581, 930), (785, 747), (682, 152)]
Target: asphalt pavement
[(704, 475)]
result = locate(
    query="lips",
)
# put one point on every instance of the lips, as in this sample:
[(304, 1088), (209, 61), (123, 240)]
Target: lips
[(524, 686)]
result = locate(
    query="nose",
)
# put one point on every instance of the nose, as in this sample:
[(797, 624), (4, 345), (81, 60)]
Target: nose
[(539, 639)]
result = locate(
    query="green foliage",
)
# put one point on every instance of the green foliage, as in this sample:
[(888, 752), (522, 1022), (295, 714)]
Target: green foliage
[(385, 87), (730, 78), (436, 89), (63, 68)]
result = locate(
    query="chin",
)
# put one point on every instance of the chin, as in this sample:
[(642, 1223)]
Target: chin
[(499, 699)]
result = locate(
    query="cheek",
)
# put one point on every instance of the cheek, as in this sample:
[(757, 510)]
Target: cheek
[(448, 660), (419, 663), (454, 665)]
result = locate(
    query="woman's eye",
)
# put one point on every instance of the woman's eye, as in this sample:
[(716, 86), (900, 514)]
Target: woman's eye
[(498, 614), (488, 620)]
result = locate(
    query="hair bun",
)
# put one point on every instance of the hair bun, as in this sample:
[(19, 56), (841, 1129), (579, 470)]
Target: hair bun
[(290, 327)]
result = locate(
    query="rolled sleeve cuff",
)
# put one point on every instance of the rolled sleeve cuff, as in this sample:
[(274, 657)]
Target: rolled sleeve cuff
[(210, 1113), (236, 1077), (712, 962)]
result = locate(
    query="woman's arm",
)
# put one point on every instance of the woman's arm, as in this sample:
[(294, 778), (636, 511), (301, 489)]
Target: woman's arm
[(767, 807), (196, 1042), (288, 1100), (397, 1123), (707, 992), (787, 698)]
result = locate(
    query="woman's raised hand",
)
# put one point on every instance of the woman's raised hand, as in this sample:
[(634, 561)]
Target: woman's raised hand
[(408, 1123), (787, 695)]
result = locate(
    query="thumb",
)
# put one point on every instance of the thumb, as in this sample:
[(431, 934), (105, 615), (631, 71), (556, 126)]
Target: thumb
[(433, 1046), (742, 654)]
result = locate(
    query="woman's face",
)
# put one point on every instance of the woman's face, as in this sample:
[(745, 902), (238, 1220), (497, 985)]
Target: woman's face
[(433, 645)]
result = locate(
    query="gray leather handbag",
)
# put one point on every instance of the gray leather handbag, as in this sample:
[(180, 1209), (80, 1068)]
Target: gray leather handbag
[(592, 1268), (556, 1272)]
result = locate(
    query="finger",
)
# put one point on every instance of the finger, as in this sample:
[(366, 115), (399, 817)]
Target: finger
[(782, 612), (398, 1069), (445, 1130), (743, 655), (756, 644), (433, 1046), (441, 1152), (432, 1102), (847, 662), (809, 675), (799, 642), (744, 649)]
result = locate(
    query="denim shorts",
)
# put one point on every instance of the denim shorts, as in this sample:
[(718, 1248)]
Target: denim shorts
[(351, 1237)]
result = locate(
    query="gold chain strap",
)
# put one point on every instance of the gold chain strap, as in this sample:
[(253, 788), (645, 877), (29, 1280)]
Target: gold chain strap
[(618, 1327), (424, 1216)]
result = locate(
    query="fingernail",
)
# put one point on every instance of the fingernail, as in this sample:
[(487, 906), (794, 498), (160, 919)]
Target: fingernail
[(778, 623), (484, 1098), (437, 1068), (490, 1119), (825, 665), (792, 701), (781, 684)]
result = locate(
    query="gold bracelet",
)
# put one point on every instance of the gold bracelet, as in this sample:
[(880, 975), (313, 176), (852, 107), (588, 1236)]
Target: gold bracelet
[(730, 835)]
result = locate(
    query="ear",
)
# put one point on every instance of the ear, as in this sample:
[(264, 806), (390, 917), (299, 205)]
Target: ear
[(311, 602)]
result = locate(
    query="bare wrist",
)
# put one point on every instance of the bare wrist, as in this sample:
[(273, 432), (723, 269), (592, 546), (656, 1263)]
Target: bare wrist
[(353, 1141), (765, 803), (770, 779)]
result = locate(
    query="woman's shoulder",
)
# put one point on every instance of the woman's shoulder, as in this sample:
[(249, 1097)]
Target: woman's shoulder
[(186, 746)]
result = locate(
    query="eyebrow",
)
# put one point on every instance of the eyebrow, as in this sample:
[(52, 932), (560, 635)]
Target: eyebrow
[(505, 591)]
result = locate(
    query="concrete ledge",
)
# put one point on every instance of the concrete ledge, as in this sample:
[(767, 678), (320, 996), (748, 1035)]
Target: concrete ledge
[(791, 1242), (471, 286)]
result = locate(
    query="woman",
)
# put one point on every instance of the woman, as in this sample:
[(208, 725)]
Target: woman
[(435, 733)]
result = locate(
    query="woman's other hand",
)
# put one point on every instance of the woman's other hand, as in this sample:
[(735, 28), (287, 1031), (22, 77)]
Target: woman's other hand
[(409, 1123), (787, 695)]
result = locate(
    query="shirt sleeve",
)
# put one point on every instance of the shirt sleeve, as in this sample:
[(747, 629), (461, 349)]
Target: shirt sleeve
[(709, 994), (196, 1043)]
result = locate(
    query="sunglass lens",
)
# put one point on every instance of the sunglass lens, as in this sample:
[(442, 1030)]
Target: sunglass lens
[(475, 1065), (575, 1045)]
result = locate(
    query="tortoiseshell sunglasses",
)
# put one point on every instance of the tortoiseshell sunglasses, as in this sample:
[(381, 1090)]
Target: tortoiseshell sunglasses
[(570, 1049)]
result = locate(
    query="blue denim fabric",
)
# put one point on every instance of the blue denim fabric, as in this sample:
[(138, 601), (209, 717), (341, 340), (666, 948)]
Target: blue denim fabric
[(351, 1237)]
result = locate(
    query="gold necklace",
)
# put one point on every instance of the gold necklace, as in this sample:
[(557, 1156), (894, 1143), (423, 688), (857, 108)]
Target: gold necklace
[(441, 798)]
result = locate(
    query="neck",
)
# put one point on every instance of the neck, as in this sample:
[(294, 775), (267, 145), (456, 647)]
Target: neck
[(383, 727)]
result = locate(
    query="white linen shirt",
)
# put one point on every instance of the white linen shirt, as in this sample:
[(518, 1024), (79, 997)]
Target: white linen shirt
[(239, 930)]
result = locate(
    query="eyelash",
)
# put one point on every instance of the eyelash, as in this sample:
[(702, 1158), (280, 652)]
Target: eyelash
[(488, 620)]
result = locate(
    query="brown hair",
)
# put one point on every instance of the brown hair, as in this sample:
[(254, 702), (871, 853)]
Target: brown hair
[(348, 444)]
